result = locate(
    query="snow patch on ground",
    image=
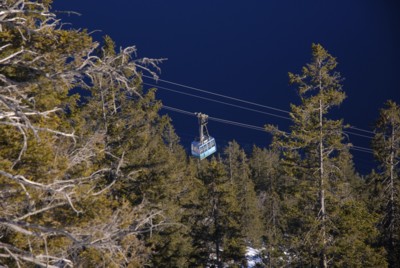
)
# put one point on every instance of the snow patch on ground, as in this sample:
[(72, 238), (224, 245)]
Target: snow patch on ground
[(253, 257)]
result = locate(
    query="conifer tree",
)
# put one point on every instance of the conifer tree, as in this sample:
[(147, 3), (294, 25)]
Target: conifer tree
[(317, 157), (386, 145), (217, 236), (57, 208), (239, 174), (147, 166), (270, 182)]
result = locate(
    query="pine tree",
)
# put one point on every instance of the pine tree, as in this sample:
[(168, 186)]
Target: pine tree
[(216, 233), (239, 174), (147, 165), (317, 157), (56, 163), (270, 184), (386, 145)]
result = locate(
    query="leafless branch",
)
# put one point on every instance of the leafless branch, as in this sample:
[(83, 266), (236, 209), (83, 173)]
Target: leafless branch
[(18, 111), (39, 211)]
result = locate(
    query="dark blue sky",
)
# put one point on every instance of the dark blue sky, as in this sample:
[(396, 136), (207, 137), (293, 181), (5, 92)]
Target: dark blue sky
[(245, 49)]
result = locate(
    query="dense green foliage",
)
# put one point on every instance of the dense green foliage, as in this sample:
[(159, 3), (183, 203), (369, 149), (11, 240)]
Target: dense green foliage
[(386, 184), (101, 180), (318, 161)]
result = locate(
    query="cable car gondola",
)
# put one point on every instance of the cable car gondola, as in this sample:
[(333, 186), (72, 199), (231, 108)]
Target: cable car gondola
[(205, 145)]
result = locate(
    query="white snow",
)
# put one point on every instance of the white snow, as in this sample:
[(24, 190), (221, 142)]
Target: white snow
[(253, 257)]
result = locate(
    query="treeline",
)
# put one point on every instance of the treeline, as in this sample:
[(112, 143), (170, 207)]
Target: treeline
[(99, 178)]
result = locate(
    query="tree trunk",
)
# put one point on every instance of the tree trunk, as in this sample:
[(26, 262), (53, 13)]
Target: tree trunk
[(322, 190), (392, 191), (217, 227)]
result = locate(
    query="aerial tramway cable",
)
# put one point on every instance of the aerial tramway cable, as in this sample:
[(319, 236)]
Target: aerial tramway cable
[(240, 107), (219, 95), (241, 100), (216, 119), (248, 126), (217, 101)]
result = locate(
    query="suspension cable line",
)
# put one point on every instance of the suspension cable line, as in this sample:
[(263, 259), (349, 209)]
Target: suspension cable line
[(362, 130), (239, 100), (237, 124), (361, 149), (239, 106), (356, 134), (243, 125), (219, 95), (217, 101), (177, 110), (366, 150), (216, 119)]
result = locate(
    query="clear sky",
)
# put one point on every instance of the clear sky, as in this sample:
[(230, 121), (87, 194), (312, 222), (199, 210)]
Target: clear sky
[(245, 49)]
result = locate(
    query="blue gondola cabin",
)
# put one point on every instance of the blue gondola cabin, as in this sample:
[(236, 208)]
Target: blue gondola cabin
[(203, 149)]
